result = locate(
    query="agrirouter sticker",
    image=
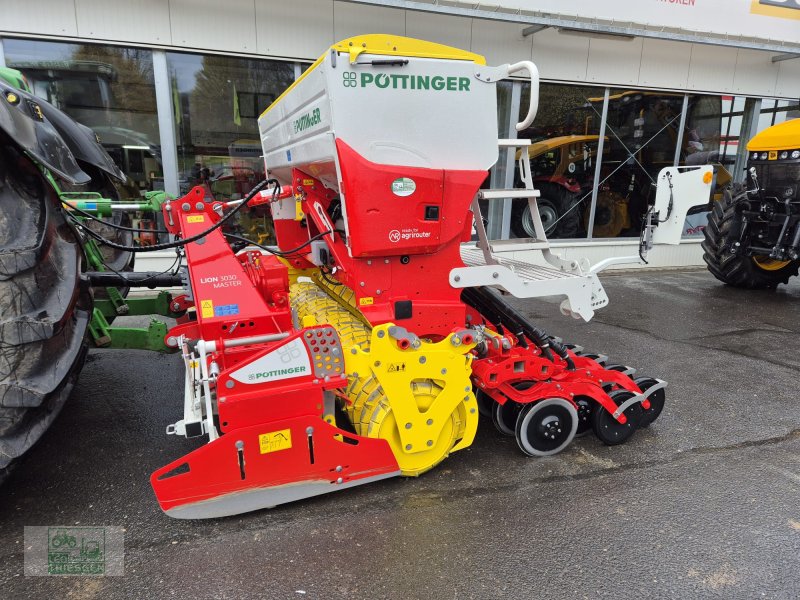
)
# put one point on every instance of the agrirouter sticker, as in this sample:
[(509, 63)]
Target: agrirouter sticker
[(406, 82), (783, 9)]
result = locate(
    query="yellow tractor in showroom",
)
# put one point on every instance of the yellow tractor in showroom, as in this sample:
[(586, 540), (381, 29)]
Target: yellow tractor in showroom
[(753, 235)]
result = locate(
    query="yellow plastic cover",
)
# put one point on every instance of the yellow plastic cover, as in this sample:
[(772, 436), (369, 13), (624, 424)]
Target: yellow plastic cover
[(783, 136)]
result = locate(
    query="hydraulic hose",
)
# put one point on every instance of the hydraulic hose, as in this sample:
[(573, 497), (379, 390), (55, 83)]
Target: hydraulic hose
[(134, 279), (182, 242), (494, 315), (486, 298), (539, 337)]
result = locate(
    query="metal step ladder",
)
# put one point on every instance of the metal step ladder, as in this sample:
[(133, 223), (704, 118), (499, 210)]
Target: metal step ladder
[(489, 262)]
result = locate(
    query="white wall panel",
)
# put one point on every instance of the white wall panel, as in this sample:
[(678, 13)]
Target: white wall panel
[(788, 84), (139, 21), (500, 42), (560, 56), (711, 68), (53, 17), (215, 25), (613, 61), (452, 31), (358, 19), (295, 28), (755, 73), (664, 64)]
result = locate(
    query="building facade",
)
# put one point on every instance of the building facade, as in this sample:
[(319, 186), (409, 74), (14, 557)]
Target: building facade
[(173, 89)]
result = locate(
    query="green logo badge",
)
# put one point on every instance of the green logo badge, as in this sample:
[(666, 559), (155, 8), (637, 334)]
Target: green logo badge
[(349, 79), (401, 81)]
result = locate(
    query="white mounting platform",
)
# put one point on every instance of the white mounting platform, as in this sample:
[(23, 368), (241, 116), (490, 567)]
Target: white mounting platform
[(584, 292)]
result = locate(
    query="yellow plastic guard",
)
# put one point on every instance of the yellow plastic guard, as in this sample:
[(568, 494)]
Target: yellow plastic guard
[(396, 45), (783, 136)]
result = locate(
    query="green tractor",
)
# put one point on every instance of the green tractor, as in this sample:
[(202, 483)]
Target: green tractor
[(51, 170), (753, 235)]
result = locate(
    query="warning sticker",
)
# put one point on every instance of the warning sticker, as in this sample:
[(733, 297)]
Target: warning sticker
[(275, 440), (207, 309), (366, 301), (196, 219)]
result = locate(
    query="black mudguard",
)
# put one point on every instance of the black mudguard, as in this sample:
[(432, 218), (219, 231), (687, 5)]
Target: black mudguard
[(51, 137)]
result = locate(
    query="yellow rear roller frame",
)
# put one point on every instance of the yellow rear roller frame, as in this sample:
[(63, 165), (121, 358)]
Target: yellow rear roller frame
[(419, 399)]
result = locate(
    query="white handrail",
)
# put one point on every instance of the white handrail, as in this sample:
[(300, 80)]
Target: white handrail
[(533, 106)]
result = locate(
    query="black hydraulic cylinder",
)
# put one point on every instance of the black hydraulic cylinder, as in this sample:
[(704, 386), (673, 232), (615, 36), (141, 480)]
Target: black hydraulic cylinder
[(133, 279)]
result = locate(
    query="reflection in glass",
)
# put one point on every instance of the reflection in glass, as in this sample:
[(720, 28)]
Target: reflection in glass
[(565, 138), (217, 102), (107, 88)]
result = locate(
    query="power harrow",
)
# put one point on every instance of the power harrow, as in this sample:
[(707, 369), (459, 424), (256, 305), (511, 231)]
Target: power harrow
[(367, 344)]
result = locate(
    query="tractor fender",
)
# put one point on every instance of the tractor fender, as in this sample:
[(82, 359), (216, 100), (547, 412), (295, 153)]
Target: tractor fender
[(82, 142), (22, 119)]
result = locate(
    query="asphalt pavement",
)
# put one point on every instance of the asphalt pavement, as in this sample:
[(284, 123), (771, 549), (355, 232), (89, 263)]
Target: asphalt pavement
[(703, 504)]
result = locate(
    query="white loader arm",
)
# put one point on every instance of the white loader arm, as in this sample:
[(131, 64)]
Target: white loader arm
[(678, 190)]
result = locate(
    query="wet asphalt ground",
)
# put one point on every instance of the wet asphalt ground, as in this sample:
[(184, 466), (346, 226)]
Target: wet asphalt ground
[(703, 504)]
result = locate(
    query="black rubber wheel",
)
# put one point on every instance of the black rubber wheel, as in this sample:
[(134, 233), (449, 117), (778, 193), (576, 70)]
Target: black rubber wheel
[(610, 431), (586, 407), (504, 417), (657, 400), (44, 307), (485, 403), (738, 270), (560, 216), (546, 427)]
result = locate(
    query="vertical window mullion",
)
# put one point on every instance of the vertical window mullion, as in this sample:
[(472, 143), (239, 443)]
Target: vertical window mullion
[(598, 164)]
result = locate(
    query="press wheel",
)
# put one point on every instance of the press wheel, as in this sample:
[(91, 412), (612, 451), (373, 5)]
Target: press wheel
[(586, 407), (546, 427), (610, 431), (485, 403), (657, 399), (504, 416)]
